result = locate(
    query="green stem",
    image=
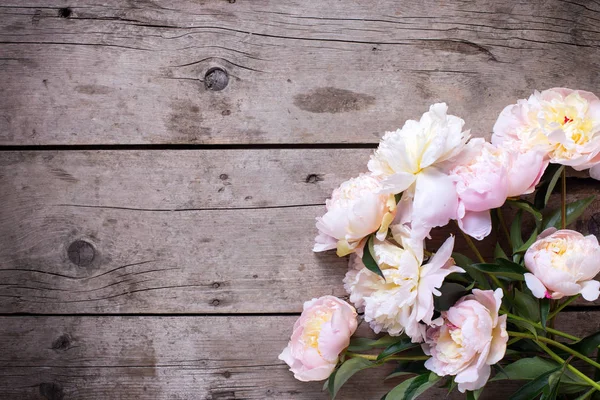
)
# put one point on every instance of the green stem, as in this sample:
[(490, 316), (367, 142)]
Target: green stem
[(373, 357), (503, 224), (556, 344), (577, 372), (472, 246), (563, 200), (587, 394), (538, 325), (563, 305)]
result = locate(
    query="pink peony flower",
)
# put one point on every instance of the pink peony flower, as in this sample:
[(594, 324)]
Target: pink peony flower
[(356, 209), (563, 263), (405, 299), (320, 334), (563, 123), (467, 339), (481, 184)]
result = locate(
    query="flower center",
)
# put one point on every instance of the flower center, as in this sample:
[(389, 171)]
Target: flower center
[(312, 329)]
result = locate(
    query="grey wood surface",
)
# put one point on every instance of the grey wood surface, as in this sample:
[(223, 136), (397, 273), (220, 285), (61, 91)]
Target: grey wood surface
[(206, 358), (305, 71), (203, 231), (175, 269)]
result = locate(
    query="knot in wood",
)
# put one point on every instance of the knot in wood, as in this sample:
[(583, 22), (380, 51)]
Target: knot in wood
[(216, 79), (63, 342), (64, 12), (52, 391), (81, 253)]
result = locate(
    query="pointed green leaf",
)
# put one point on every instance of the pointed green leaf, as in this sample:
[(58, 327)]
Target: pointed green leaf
[(398, 347), (369, 260), (465, 263), (361, 344), (526, 305), (587, 345), (451, 292), (413, 387), (408, 367), (529, 242), (516, 240), (551, 391), (574, 211), (344, 372), (474, 395), (499, 252), (547, 184), (511, 271), (544, 311), (526, 369), (534, 388), (527, 207)]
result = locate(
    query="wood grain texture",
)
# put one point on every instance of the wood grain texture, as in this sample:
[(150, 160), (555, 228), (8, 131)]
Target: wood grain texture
[(206, 358), (206, 231), (299, 72)]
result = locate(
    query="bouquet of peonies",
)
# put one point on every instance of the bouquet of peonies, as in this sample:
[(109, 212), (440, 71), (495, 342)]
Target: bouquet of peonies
[(448, 320)]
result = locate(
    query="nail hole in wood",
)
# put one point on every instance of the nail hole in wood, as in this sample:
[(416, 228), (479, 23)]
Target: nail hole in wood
[(216, 285), (216, 79), (215, 302), (64, 12), (81, 253)]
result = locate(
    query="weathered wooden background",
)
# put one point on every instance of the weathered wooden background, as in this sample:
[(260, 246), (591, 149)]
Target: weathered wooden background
[(162, 163)]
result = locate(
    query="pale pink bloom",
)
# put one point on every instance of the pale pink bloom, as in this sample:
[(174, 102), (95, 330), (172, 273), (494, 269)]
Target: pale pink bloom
[(563, 263), (416, 160), (481, 184), (405, 299), (563, 123), (356, 209), (467, 339), (525, 169), (320, 334)]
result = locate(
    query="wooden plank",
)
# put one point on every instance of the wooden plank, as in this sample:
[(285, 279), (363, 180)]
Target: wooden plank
[(177, 357), (172, 231), (299, 72)]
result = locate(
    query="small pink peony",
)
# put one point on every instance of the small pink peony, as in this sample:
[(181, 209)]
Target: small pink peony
[(563, 123), (563, 263), (356, 209), (320, 334), (468, 339)]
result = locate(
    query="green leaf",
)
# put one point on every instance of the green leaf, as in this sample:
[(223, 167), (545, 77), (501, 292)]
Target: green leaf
[(499, 252), (369, 260), (527, 207), (516, 240), (547, 184), (413, 387), (529, 242), (574, 211), (398, 347), (451, 292), (474, 395), (587, 345), (344, 372), (526, 369), (551, 391), (511, 271), (465, 263), (526, 306), (398, 197), (408, 367), (534, 388), (544, 311), (362, 344)]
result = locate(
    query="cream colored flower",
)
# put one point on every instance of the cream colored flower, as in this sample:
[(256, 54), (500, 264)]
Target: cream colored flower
[(356, 209), (416, 159), (405, 298)]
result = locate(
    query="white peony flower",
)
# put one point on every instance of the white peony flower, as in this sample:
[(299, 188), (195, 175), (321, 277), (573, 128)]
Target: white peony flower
[(356, 209), (405, 298), (416, 159)]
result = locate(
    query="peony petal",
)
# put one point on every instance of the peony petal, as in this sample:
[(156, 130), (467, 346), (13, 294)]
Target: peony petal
[(535, 285), (590, 290), (476, 224), (324, 242), (435, 202), (315, 374), (499, 340), (397, 183)]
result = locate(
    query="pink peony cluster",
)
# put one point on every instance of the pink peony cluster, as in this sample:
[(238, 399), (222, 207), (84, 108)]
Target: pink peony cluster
[(420, 177)]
